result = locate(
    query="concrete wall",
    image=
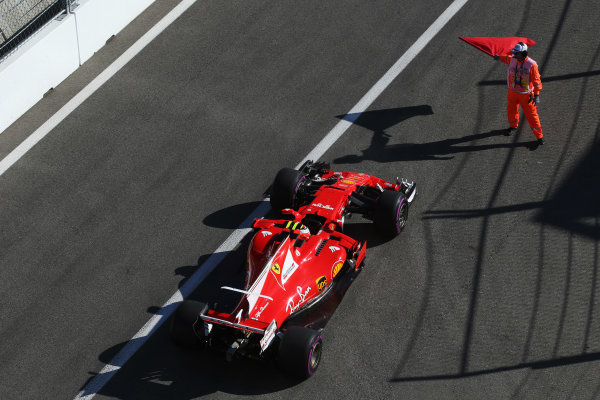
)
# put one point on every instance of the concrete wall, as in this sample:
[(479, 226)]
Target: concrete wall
[(98, 20), (58, 49)]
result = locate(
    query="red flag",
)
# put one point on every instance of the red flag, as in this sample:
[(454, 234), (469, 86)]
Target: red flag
[(497, 45)]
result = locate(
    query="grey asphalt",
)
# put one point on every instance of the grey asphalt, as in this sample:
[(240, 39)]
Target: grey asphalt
[(491, 292)]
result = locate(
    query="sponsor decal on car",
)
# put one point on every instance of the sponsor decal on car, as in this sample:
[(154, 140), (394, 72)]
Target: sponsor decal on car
[(352, 180), (238, 316), (268, 336), (294, 305), (259, 312), (333, 248), (336, 268), (321, 283), (289, 267), (266, 233), (276, 268), (323, 206)]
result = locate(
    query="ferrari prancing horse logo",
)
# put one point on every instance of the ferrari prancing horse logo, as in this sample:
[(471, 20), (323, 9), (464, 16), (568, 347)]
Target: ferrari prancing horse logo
[(275, 268)]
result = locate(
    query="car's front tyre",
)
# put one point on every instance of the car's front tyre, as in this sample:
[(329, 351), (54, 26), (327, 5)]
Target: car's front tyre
[(391, 213), (284, 191)]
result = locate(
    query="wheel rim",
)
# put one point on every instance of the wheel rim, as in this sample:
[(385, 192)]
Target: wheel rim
[(315, 356), (295, 194), (402, 216)]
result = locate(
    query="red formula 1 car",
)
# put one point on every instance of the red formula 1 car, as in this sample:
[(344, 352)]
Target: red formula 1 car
[(299, 267)]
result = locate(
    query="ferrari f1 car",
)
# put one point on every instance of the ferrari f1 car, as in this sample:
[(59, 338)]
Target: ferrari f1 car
[(299, 267)]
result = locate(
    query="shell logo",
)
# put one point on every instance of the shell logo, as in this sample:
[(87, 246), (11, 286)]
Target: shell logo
[(336, 268)]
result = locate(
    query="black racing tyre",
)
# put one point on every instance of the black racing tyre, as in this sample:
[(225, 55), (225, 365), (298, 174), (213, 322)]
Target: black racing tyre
[(391, 213), (182, 324), (285, 188), (300, 351)]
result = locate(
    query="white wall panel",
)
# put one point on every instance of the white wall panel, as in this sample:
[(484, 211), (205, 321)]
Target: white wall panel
[(98, 20), (58, 49), (40, 64)]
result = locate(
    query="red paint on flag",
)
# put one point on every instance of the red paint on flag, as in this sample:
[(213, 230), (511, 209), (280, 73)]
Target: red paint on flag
[(496, 45)]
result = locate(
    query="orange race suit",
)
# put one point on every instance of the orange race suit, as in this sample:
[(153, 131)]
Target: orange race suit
[(524, 82)]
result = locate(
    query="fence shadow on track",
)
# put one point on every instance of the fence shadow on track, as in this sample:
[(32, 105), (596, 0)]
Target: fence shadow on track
[(574, 207), (587, 74), (543, 364)]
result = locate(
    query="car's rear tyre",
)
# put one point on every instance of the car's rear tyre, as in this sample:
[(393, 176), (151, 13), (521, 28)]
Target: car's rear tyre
[(284, 192), (300, 351), (391, 213), (184, 319)]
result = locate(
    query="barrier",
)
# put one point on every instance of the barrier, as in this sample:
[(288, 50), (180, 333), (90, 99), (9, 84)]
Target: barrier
[(57, 50), (98, 20), (40, 64)]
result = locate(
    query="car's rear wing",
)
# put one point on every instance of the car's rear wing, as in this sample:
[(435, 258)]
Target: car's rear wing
[(214, 317), (232, 321)]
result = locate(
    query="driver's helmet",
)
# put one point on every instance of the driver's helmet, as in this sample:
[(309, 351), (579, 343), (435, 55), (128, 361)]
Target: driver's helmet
[(297, 226), (304, 230)]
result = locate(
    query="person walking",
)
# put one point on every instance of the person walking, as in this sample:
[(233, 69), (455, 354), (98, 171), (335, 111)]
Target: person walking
[(524, 86)]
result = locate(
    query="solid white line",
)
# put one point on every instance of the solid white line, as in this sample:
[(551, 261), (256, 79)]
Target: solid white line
[(94, 386), (87, 91), (385, 81)]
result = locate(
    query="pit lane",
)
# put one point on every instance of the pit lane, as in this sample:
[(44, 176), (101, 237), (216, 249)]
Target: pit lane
[(490, 291)]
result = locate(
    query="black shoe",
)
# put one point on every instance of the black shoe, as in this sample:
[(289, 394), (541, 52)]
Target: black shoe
[(541, 141), (509, 131)]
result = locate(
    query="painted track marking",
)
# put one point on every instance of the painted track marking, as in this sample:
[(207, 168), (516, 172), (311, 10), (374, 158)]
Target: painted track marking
[(94, 85), (110, 369)]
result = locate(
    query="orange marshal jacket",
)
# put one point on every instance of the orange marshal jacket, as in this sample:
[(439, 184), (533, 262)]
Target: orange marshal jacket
[(522, 77)]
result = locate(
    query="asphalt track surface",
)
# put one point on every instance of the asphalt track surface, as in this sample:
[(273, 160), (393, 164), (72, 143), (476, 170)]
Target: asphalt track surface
[(492, 290)]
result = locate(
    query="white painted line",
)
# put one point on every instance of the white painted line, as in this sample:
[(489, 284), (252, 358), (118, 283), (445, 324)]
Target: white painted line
[(385, 81), (94, 386), (87, 91)]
